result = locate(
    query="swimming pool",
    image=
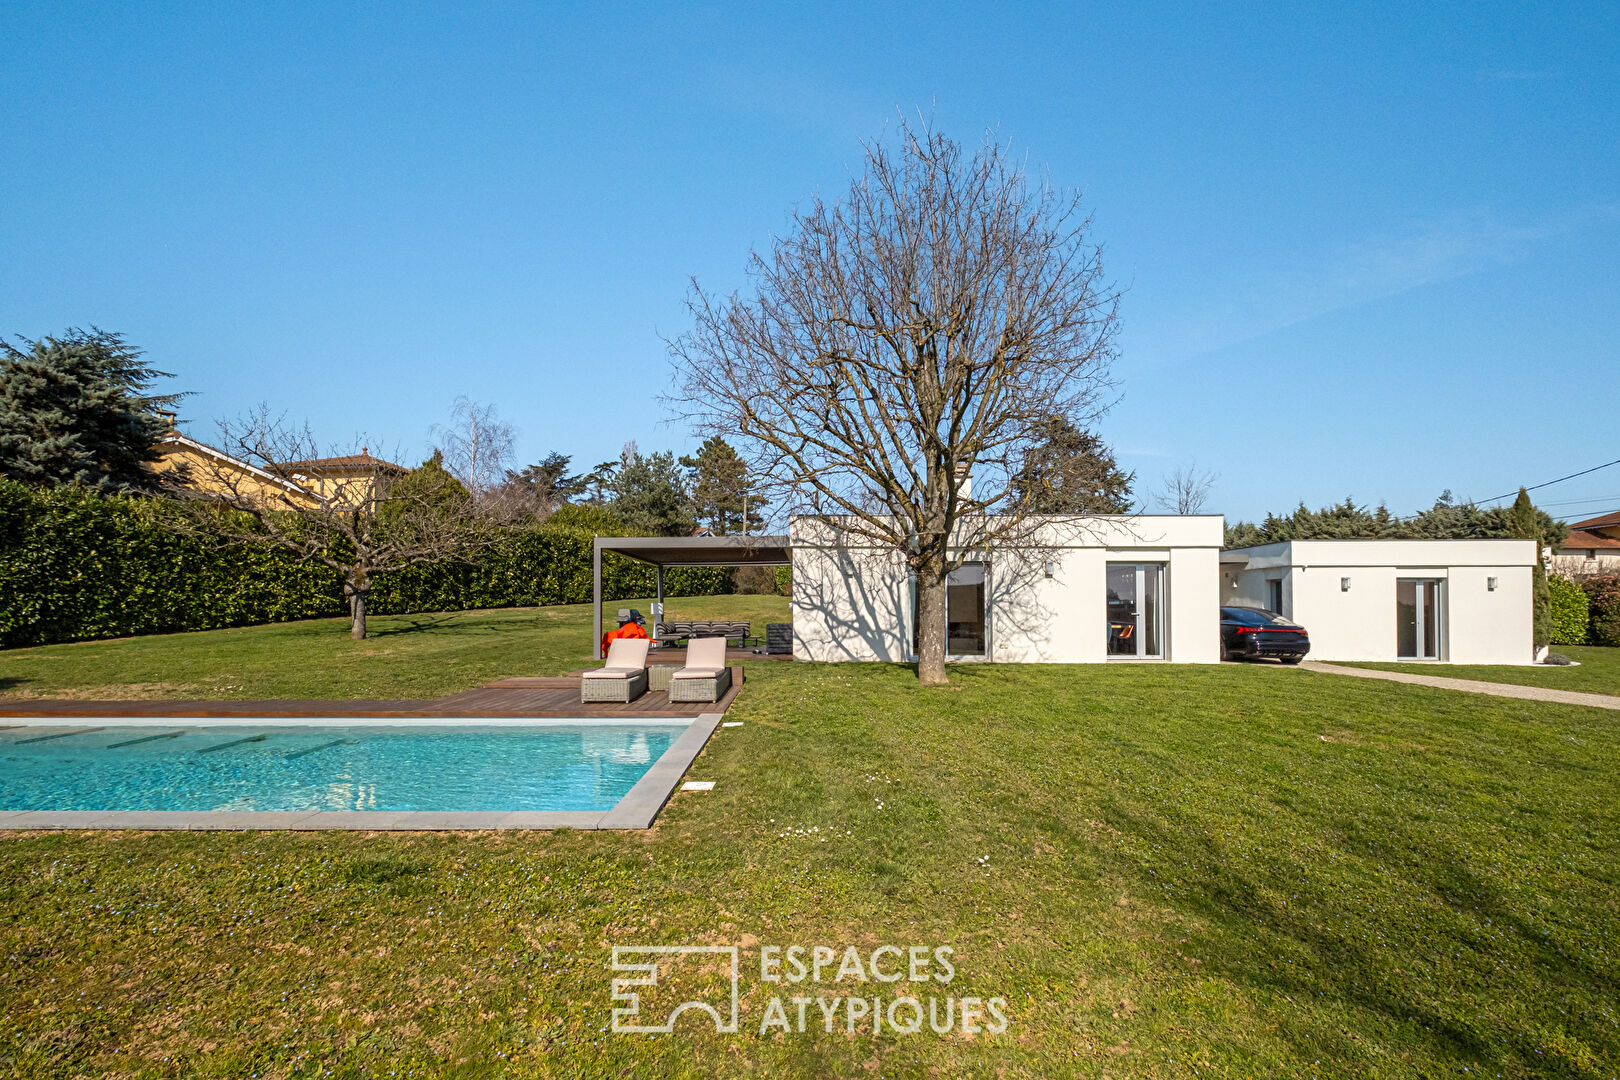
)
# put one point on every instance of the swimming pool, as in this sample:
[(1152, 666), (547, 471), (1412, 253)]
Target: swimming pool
[(329, 766)]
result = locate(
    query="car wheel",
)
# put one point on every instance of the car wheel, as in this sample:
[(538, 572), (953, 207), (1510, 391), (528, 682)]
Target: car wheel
[(1292, 659), (1225, 656)]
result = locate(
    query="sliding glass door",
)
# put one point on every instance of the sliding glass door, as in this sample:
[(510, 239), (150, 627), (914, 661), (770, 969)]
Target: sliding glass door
[(1417, 618), (964, 611), (1136, 610), (967, 630)]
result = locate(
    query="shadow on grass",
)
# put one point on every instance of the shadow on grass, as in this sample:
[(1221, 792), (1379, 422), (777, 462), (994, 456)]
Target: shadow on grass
[(460, 622), (12, 684), (1424, 980), (416, 624)]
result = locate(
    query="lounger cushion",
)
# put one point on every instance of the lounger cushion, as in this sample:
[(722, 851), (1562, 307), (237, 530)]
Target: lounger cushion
[(611, 673), (705, 653), (698, 673)]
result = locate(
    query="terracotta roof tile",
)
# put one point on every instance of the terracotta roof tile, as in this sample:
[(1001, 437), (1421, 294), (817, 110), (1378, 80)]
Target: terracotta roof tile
[(345, 461), (1579, 538), (1597, 522)]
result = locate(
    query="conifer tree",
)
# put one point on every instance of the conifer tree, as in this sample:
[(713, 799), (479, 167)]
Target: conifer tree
[(75, 410)]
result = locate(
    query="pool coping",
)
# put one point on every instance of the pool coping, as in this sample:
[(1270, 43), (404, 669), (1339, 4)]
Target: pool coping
[(637, 809)]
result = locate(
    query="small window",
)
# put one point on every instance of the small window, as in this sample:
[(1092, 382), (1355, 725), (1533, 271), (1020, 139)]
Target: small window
[(1274, 596)]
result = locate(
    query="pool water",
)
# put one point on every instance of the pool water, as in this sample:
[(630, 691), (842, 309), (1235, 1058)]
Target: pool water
[(337, 766)]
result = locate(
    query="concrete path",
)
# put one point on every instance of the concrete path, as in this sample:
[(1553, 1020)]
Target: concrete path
[(1473, 686)]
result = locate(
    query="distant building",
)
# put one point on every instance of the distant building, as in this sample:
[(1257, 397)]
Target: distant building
[(351, 479), (1592, 547), (184, 462)]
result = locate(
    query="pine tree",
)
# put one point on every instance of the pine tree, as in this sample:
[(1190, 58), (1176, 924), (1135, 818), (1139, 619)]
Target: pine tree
[(648, 495), (1070, 471), (718, 479), (545, 485), (74, 410)]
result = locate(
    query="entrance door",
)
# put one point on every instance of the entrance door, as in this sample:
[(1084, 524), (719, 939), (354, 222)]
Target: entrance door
[(1136, 610), (1417, 618)]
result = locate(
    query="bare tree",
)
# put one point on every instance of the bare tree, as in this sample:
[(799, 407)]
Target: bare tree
[(1185, 491), (477, 445), (926, 326), (355, 514)]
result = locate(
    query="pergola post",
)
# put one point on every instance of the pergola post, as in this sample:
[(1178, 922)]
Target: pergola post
[(596, 596), (658, 607)]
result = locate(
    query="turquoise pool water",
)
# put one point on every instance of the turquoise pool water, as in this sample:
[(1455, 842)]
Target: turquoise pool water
[(337, 766)]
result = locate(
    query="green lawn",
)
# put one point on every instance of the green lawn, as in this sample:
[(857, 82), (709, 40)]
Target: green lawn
[(1227, 871), (1599, 672), (405, 656)]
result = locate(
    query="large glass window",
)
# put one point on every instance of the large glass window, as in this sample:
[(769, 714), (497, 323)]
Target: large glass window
[(1136, 609), (1417, 618)]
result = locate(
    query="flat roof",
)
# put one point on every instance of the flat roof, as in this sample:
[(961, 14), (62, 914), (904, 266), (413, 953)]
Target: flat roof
[(701, 550)]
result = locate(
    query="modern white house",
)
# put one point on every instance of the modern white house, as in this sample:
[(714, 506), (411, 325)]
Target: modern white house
[(1150, 588), (1077, 590), (1454, 601)]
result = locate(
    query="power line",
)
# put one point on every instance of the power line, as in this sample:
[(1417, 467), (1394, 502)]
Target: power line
[(1581, 502), (1560, 480)]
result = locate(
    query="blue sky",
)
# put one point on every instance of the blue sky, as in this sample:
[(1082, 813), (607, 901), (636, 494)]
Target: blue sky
[(1368, 252)]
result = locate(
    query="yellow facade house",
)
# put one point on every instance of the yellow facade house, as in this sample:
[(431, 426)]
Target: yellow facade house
[(351, 479)]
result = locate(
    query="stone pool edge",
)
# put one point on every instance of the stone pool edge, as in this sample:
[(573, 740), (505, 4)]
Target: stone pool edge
[(639, 807)]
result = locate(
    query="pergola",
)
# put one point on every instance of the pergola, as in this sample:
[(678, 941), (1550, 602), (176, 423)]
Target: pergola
[(664, 551)]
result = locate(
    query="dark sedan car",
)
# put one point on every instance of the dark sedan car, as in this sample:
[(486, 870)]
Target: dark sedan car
[(1250, 633)]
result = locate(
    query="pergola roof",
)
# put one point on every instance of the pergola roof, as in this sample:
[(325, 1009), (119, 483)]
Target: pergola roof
[(701, 550)]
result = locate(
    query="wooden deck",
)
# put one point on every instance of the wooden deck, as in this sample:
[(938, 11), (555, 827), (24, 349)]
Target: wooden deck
[(536, 697)]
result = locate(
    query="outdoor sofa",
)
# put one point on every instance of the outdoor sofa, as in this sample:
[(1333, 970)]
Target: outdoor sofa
[(671, 632), (705, 676), (622, 678)]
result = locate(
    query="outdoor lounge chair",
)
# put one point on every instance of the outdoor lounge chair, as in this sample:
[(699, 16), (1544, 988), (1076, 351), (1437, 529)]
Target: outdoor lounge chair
[(622, 678), (705, 676)]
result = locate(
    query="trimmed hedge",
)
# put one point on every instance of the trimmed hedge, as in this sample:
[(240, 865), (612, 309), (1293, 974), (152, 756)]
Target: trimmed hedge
[(76, 565), (1570, 612), (1603, 595)]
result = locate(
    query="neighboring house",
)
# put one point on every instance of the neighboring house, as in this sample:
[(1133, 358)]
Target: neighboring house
[(1082, 590), (1592, 547), (185, 462), (352, 479), (1455, 601)]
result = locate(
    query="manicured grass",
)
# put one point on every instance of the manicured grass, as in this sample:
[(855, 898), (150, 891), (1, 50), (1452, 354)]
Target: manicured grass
[(1599, 672), (1227, 871), (404, 656)]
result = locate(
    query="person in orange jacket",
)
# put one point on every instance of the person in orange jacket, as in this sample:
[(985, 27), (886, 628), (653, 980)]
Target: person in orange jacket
[(627, 629)]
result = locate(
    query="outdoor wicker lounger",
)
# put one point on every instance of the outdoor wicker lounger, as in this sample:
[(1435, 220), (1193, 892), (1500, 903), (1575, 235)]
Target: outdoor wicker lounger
[(622, 678), (705, 676)]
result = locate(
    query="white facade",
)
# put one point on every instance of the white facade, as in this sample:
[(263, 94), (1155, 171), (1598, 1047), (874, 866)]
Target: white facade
[(1451, 601), (1084, 590)]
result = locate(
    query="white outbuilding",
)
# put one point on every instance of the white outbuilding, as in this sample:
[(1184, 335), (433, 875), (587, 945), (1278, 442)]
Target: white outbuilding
[(1075, 590), (1448, 601)]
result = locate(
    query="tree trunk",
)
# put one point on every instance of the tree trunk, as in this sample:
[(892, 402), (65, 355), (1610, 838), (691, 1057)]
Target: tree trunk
[(357, 610), (931, 627)]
